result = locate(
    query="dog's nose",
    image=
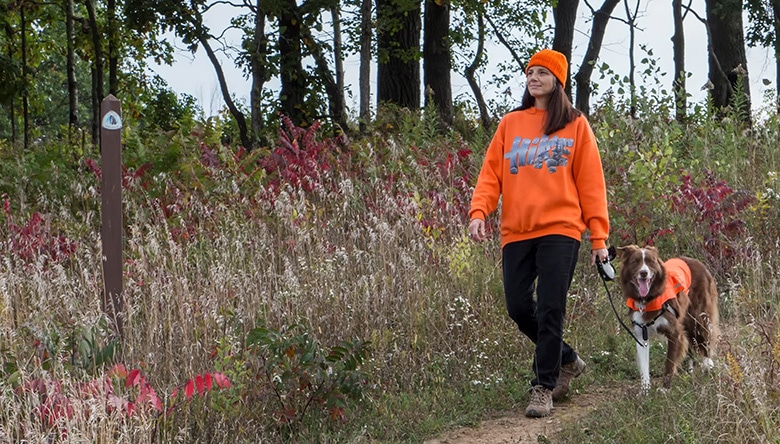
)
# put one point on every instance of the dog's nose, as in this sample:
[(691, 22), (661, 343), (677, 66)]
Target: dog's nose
[(643, 274)]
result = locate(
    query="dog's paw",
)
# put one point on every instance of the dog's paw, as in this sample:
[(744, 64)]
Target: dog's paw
[(644, 390), (707, 365), (688, 366), (636, 391)]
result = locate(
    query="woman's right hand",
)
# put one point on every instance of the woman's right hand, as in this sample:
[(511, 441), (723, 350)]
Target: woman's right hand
[(477, 230)]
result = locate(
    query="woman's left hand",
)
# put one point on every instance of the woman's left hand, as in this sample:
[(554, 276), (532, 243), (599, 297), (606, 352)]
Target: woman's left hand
[(601, 254)]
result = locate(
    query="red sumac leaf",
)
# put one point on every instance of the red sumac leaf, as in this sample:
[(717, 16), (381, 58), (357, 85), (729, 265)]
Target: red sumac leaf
[(199, 384), (189, 389), (221, 380), (133, 378)]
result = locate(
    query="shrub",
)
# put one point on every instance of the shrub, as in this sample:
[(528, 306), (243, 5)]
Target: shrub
[(302, 378)]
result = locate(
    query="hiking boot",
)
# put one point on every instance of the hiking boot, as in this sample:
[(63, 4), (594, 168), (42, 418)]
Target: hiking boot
[(567, 373), (541, 403)]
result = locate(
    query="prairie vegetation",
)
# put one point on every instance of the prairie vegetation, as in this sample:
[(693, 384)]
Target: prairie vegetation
[(325, 290)]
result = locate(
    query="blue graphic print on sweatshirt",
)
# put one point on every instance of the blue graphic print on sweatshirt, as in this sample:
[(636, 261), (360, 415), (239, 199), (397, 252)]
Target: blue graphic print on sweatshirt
[(549, 151)]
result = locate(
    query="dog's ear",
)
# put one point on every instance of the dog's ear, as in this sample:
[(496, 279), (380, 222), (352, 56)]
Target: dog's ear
[(622, 252)]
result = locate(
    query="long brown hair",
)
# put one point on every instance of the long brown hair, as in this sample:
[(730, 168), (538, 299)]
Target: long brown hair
[(560, 111)]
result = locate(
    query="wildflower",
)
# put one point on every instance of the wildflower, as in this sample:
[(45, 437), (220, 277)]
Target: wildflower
[(735, 371)]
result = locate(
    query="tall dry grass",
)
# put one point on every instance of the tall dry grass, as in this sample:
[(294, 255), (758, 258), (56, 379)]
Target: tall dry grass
[(371, 244)]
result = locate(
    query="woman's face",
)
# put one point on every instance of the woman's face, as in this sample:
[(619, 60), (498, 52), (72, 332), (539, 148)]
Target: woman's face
[(540, 82)]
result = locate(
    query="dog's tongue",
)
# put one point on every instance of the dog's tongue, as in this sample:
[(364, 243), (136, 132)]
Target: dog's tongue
[(644, 287)]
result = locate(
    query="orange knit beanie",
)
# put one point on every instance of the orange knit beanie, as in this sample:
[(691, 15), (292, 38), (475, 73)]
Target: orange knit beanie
[(552, 60)]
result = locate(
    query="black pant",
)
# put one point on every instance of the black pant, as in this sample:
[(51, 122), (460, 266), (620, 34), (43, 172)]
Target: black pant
[(549, 261)]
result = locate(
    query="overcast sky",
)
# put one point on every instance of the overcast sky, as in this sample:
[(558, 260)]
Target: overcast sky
[(195, 75)]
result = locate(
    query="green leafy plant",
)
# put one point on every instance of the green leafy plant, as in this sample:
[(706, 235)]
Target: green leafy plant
[(93, 346), (304, 377)]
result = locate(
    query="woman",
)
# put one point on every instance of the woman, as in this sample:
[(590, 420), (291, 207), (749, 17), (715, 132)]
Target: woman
[(544, 163)]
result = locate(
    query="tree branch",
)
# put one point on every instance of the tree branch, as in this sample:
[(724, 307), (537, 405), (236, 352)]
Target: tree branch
[(504, 42), (711, 53)]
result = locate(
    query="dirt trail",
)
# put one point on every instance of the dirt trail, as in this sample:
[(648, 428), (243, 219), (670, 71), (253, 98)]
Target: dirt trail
[(515, 428)]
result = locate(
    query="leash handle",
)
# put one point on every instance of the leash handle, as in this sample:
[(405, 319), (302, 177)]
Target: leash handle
[(606, 270)]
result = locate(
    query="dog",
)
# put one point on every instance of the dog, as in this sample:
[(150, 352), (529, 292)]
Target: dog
[(678, 299)]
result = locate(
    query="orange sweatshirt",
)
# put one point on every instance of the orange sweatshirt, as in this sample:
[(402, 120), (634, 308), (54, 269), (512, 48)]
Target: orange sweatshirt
[(548, 184)]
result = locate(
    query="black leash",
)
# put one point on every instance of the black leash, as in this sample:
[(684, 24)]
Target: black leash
[(607, 273)]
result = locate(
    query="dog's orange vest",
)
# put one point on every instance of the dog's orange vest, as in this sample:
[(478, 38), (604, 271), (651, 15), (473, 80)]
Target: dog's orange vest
[(678, 278)]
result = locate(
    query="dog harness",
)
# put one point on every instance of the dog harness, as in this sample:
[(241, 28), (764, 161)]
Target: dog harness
[(678, 278)]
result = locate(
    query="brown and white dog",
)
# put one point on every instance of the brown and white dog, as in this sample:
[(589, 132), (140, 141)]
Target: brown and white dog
[(677, 299)]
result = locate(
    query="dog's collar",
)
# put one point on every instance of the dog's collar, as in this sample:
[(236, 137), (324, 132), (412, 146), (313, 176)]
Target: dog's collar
[(666, 307)]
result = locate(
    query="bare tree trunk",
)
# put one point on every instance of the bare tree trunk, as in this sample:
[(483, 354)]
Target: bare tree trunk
[(724, 18), (25, 78), (293, 78), (365, 65), (398, 41), (234, 111), (12, 104), (97, 70), (472, 69), (113, 49), (600, 20), (436, 58), (500, 35), (715, 67), (776, 12), (338, 52), (631, 18), (203, 39), (565, 16), (678, 47), (258, 61), (336, 101), (73, 97)]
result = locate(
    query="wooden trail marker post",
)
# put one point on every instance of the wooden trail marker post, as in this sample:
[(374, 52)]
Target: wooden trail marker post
[(111, 214)]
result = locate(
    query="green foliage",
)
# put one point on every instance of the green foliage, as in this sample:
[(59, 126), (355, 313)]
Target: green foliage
[(365, 239), (233, 365), (745, 410), (10, 72), (739, 103), (78, 349), (49, 170), (94, 346), (761, 30), (165, 111), (306, 379), (467, 125), (526, 19)]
